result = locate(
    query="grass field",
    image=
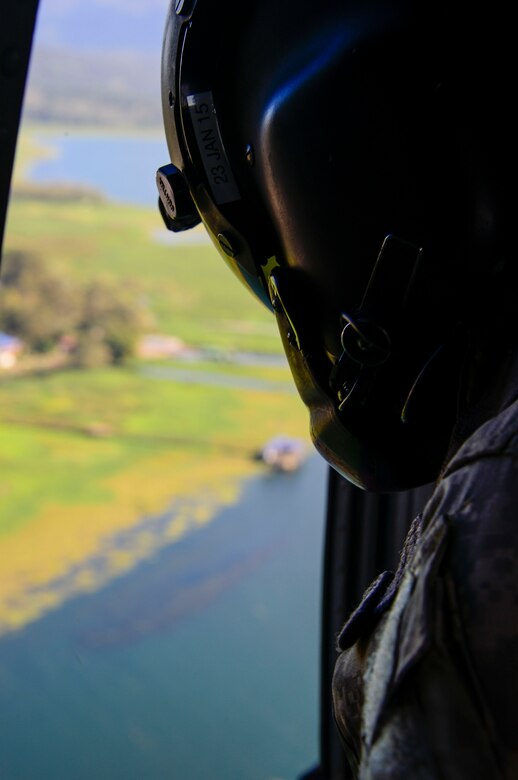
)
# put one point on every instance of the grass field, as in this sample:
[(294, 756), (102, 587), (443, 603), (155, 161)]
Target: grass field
[(84, 454), (187, 287)]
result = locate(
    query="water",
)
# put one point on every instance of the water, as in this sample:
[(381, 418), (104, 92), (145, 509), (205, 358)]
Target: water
[(212, 378), (121, 168), (201, 664)]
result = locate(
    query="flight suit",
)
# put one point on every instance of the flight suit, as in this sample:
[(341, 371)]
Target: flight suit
[(426, 683)]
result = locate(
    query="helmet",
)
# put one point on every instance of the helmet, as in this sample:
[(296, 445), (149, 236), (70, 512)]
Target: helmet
[(337, 154)]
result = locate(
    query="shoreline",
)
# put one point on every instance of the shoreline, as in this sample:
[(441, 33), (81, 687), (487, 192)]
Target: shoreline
[(68, 497), (55, 558), (30, 149)]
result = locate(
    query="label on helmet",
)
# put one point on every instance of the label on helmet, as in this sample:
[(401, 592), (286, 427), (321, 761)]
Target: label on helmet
[(213, 155)]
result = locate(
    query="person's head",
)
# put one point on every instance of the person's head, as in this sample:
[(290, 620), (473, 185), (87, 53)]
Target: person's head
[(350, 160)]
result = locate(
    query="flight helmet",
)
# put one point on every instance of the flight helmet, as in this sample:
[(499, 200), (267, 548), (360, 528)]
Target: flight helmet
[(342, 158)]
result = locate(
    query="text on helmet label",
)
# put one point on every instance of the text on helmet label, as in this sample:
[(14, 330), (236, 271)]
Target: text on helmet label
[(214, 158)]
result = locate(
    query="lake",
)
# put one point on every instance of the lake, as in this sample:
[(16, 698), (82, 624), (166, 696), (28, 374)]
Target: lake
[(122, 168), (200, 664)]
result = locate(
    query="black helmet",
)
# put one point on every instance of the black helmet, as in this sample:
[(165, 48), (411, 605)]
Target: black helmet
[(337, 154)]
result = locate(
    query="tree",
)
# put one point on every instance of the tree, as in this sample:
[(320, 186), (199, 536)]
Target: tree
[(37, 304), (40, 306), (111, 314)]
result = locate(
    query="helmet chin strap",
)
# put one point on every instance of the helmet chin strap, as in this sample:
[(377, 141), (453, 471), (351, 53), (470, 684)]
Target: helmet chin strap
[(378, 329), (364, 341), (379, 346), (380, 320), (369, 336), (369, 417)]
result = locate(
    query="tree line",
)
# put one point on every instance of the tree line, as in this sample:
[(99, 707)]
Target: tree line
[(96, 323)]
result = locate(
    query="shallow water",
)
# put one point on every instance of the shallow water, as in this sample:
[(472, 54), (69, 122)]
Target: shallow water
[(200, 664), (122, 168)]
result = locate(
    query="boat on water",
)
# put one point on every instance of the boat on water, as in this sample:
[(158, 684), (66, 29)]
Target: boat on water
[(284, 453)]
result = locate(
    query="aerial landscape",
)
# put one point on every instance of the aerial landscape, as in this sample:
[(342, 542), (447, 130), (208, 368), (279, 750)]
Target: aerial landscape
[(137, 441), (135, 405)]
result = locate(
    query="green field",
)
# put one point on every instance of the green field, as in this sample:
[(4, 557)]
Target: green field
[(188, 288), (84, 454), (65, 434)]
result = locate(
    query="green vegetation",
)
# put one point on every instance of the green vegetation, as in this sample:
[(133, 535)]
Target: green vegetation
[(101, 88), (187, 287), (93, 324), (191, 295), (64, 434), (85, 454)]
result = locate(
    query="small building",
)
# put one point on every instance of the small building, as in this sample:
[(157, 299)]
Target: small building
[(283, 453), (10, 349), (160, 346)]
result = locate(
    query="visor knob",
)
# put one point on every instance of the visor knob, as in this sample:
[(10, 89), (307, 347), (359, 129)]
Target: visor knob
[(175, 202)]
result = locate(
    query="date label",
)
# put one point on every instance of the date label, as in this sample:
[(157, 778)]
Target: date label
[(215, 161)]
